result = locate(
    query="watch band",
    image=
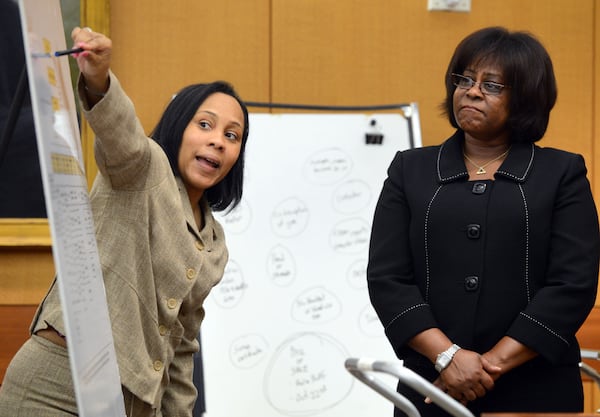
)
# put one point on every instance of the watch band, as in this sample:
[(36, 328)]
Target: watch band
[(444, 358)]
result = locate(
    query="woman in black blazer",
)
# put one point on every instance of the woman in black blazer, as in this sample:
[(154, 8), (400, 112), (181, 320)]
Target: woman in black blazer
[(484, 251)]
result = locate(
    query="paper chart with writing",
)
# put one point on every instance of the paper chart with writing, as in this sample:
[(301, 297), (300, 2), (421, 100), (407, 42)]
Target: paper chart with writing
[(89, 337), (293, 304)]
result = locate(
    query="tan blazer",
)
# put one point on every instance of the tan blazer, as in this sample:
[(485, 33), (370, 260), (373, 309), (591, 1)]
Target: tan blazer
[(158, 267)]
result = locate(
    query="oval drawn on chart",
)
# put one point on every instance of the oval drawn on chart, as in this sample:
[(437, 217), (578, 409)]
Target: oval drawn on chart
[(306, 375), (327, 166), (247, 351), (289, 218), (350, 236), (357, 274), (369, 323), (316, 305), (237, 220), (351, 196), (229, 292), (281, 266)]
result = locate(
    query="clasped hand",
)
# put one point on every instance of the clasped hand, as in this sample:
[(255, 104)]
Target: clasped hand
[(468, 377)]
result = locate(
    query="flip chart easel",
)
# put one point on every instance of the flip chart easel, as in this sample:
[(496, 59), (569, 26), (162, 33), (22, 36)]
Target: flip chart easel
[(89, 337), (293, 303)]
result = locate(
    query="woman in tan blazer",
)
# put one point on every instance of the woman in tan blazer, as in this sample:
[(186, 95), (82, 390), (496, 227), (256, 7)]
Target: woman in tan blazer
[(160, 247)]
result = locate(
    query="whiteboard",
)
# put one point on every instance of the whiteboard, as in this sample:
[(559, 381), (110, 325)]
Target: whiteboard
[(89, 337), (293, 303)]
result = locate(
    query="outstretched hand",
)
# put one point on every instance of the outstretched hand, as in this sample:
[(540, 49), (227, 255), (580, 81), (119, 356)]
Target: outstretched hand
[(94, 61)]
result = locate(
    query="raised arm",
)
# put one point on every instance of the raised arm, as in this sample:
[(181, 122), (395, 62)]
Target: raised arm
[(94, 62)]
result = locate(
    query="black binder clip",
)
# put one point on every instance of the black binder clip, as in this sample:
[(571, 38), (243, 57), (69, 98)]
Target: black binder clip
[(373, 135)]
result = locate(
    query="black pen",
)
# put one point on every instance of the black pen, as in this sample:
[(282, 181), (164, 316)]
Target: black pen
[(68, 51)]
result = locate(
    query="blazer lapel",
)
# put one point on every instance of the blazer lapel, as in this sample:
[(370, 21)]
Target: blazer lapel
[(207, 234), (451, 166), (517, 165), (450, 162)]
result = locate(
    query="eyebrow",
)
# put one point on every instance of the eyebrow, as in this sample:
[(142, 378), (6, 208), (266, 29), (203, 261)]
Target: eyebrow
[(234, 122), (485, 74)]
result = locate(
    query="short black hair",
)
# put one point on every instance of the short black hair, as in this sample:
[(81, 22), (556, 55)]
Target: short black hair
[(527, 70), (168, 133)]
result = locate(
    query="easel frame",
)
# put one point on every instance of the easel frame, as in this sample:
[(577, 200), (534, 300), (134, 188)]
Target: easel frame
[(35, 233)]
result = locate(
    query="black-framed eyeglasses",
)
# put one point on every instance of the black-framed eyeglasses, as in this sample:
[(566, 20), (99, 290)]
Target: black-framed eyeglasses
[(487, 87)]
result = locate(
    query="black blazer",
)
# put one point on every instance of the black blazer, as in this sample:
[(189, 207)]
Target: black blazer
[(517, 256)]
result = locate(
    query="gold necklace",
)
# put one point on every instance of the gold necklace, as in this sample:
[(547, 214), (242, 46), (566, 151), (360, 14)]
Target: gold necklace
[(481, 168)]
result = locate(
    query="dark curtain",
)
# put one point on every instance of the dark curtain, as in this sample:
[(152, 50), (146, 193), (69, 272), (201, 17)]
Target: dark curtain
[(21, 191)]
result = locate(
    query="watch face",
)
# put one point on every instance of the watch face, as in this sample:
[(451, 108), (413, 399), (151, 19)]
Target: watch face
[(444, 360)]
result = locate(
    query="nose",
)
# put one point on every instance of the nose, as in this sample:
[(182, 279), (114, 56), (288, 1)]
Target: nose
[(475, 87), (218, 140)]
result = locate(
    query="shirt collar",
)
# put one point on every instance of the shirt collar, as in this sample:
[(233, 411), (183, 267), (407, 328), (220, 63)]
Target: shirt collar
[(451, 165)]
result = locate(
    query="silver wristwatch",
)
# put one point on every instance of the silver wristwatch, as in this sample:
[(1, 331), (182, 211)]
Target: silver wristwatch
[(444, 358)]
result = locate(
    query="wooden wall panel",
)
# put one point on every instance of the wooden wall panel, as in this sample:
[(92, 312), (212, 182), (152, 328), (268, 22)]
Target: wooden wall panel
[(161, 46), (589, 335), (595, 87), (15, 331), (589, 338), (25, 275), (378, 52)]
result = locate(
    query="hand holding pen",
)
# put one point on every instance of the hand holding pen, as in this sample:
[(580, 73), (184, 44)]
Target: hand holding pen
[(68, 52), (92, 51)]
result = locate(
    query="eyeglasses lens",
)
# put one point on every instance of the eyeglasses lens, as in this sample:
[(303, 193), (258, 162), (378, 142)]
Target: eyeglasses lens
[(487, 87)]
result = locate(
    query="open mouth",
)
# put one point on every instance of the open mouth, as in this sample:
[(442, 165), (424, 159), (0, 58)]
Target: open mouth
[(211, 162)]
